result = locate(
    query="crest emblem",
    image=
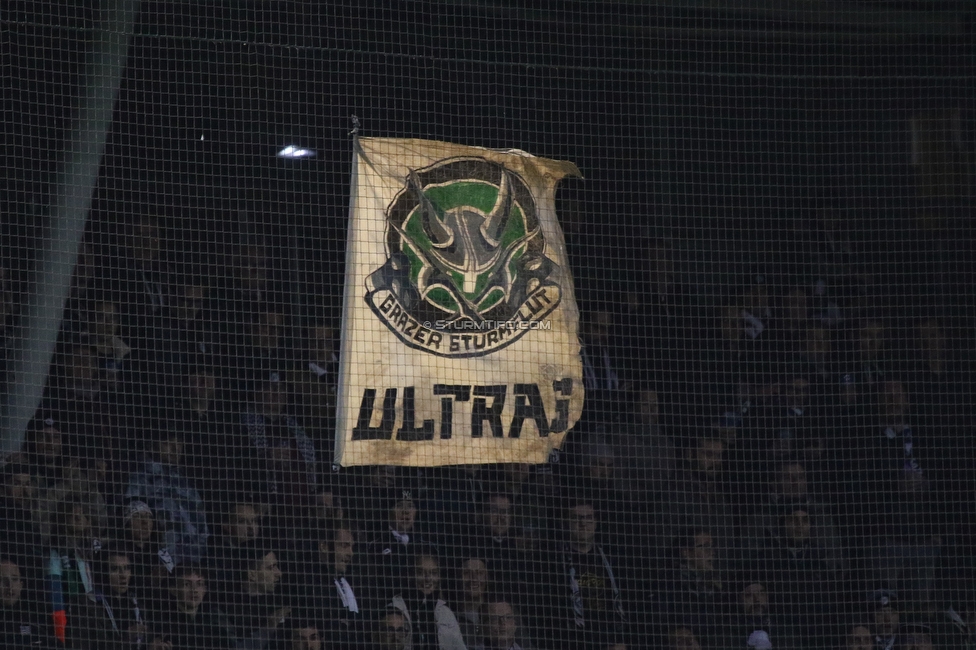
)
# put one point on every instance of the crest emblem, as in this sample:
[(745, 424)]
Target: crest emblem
[(466, 272)]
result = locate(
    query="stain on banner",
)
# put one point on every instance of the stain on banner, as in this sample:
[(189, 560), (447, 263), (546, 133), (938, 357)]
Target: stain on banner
[(459, 331)]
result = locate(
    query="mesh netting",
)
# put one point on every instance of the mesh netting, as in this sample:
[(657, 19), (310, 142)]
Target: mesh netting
[(771, 254)]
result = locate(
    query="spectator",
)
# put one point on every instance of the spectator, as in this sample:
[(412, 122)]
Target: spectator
[(586, 601), (392, 552), (254, 601), (174, 499), (142, 278), (859, 637), (753, 623), (790, 485), (22, 623), (151, 563), (241, 525), (887, 620), (20, 510), (113, 617), (696, 586), (470, 598), (501, 625), (317, 379), (700, 496), (188, 620), (392, 631), (682, 637), (604, 374), (432, 623), (283, 457), (69, 577), (331, 584), (919, 638), (493, 538), (798, 571), (303, 634)]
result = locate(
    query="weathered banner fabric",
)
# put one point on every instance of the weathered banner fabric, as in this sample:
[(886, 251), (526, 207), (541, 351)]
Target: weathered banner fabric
[(459, 331)]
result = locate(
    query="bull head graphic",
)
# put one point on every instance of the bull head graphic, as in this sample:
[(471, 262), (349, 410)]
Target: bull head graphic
[(467, 242)]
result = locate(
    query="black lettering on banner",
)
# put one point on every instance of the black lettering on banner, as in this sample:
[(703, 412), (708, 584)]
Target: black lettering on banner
[(434, 340), (395, 314), (460, 394), (528, 406), (387, 304), (481, 412), (384, 431), (409, 431), (561, 422)]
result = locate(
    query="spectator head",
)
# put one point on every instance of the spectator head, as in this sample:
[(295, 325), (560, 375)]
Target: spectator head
[(599, 459), (19, 487), (500, 625), (597, 328), (392, 631), (305, 635), (139, 521), (754, 600), (886, 615), (791, 483), (337, 547), (321, 342), (696, 550), (427, 575), (818, 345), (190, 292), (648, 406), (169, 447), (271, 394), (894, 402), (474, 579), (44, 441), (581, 522), (870, 340), (267, 329), (74, 522), (848, 389), (403, 511), (706, 458), (262, 574), (11, 583), (250, 267), (188, 587), (931, 340), (383, 476), (141, 241), (916, 637), (796, 309), (683, 637), (796, 526), (328, 508), (113, 570), (201, 387), (102, 317), (859, 637), (242, 525), (796, 393), (498, 515)]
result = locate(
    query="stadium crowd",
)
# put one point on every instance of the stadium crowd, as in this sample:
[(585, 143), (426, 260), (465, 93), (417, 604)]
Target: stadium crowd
[(788, 471)]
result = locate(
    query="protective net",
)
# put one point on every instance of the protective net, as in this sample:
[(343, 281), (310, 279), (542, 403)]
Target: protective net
[(239, 414)]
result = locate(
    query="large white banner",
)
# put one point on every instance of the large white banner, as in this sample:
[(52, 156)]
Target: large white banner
[(459, 328)]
